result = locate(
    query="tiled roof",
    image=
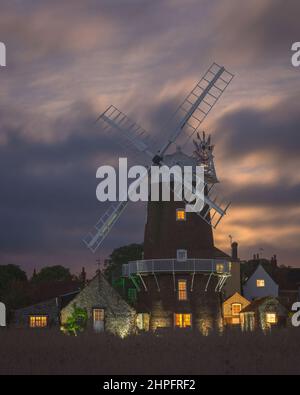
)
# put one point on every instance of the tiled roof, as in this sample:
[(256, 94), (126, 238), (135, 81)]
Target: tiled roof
[(255, 304)]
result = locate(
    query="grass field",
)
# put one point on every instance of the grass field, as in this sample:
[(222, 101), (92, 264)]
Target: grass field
[(50, 352)]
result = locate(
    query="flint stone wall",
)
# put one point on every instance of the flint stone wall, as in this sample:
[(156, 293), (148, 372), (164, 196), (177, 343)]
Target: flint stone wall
[(119, 316)]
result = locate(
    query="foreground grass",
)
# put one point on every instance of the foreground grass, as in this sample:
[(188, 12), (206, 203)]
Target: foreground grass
[(50, 352)]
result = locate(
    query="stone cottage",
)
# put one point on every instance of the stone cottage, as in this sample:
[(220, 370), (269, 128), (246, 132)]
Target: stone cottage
[(263, 313), (106, 309), (43, 314)]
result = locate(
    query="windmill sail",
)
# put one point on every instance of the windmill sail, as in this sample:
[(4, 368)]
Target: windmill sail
[(99, 232), (198, 103), (102, 228), (126, 132)]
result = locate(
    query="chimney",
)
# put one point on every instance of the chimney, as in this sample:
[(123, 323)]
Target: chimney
[(234, 251), (83, 276)]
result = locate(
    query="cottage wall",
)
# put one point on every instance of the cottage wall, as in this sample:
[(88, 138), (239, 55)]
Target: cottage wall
[(49, 308), (227, 307), (119, 316)]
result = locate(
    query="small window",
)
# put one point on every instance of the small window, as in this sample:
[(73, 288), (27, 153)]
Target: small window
[(38, 321), (182, 290), (235, 320), (236, 308), (183, 320), (219, 268), (98, 315), (271, 318), (260, 283), (180, 214), (181, 255)]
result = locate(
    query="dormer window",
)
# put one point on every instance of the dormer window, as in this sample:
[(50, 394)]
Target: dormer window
[(260, 283), (180, 214)]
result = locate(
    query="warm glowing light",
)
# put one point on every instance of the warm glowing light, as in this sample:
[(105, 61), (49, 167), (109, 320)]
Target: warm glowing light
[(182, 291), (183, 320), (180, 214), (260, 283), (38, 321), (220, 268), (236, 308), (271, 318)]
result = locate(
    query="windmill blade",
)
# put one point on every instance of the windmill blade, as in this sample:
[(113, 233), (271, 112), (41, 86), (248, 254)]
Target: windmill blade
[(96, 236), (198, 103), (102, 228), (127, 132), (210, 204)]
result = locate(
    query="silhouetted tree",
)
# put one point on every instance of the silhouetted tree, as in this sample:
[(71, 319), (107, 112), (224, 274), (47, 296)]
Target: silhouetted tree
[(131, 252), (10, 274), (53, 273)]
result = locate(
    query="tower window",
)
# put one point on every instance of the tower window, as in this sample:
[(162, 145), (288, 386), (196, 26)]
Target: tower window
[(183, 320), (181, 255), (180, 214), (182, 290), (219, 268), (260, 283)]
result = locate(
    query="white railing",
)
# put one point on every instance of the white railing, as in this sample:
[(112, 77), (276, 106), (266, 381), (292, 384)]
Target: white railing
[(217, 266)]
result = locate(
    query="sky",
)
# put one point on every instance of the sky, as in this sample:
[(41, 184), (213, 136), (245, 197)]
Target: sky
[(68, 60)]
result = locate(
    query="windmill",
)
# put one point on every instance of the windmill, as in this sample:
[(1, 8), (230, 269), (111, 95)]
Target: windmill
[(185, 122)]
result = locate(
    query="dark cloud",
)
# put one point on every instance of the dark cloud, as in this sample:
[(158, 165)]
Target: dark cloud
[(273, 130), (68, 60)]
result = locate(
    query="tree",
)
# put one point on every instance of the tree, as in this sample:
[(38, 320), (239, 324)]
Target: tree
[(53, 273), (76, 322), (13, 285), (10, 274), (121, 255)]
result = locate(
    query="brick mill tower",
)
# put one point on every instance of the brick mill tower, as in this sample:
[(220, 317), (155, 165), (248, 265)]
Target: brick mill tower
[(182, 273)]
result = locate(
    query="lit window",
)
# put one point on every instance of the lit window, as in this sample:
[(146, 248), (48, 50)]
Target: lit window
[(98, 315), (181, 255), (236, 308), (271, 318), (182, 292), (235, 320), (219, 268), (180, 214), (183, 320), (260, 283), (38, 321)]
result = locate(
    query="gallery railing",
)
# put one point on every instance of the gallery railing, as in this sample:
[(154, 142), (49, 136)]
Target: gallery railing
[(216, 266)]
